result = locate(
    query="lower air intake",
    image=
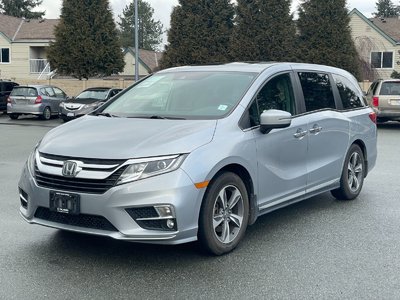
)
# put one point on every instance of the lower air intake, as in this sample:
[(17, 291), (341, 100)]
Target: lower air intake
[(81, 220)]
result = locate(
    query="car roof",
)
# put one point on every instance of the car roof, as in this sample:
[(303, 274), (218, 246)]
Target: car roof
[(98, 88), (390, 80), (34, 86), (257, 67), (254, 67)]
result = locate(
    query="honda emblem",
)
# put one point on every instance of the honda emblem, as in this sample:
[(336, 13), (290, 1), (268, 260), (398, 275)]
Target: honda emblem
[(71, 168)]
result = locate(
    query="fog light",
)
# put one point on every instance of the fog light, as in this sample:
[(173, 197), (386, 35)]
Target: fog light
[(23, 196), (170, 224), (165, 211)]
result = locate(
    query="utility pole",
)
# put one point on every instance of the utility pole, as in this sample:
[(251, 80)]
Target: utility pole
[(136, 42)]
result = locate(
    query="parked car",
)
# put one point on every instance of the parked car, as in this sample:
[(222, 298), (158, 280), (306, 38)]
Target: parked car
[(198, 153), (86, 102), (384, 97), (5, 90), (40, 100)]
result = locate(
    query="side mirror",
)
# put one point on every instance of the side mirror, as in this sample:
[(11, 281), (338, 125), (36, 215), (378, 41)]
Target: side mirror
[(272, 119)]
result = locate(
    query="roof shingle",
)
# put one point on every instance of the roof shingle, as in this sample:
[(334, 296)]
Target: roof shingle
[(20, 29), (150, 58), (390, 26), (9, 25)]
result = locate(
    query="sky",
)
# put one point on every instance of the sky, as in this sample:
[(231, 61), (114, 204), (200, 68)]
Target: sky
[(163, 8)]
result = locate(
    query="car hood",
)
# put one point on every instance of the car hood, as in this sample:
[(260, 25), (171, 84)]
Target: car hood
[(122, 138), (82, 100)]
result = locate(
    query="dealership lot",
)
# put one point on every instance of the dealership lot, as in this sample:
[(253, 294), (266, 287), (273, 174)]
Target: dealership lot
[(320, 248)]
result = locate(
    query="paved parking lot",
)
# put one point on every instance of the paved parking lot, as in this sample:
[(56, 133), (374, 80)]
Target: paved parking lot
[(317, 249), (29, 120)]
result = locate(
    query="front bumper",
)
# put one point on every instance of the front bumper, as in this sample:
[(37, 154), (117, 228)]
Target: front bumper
[(67, 114), (173, 188)]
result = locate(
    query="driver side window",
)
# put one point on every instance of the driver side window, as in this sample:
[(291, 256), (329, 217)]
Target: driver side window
[(277, 93)]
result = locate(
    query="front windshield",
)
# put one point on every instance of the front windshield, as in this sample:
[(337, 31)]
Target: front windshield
[(93, 94), (186, 95)]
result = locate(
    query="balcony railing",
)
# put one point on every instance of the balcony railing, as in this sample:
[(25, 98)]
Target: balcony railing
[(39, 66)]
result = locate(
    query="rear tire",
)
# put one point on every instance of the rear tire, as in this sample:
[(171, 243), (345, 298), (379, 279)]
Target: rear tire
[(352, 178), (13, 116), (224, 214), (46, 115)]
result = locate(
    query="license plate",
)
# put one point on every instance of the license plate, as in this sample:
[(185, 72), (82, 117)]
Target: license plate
[(70, 114), (395, 102), (65, 203)]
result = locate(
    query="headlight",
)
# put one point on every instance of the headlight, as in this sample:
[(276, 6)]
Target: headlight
[(62, 104), (32, 159), (151, 167), (91, 105), (31, 162)]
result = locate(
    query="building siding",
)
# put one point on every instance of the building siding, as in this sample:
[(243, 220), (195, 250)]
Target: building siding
[(367, 39), (129, 69), (19, 66)]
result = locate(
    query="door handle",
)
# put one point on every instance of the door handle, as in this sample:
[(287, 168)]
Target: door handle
[(300, 133), (316, 129)]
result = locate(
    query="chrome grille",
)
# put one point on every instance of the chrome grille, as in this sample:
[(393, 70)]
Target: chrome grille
[(91, 161), (97, 175)]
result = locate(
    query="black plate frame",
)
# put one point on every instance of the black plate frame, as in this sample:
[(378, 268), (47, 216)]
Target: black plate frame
[(65, 203)]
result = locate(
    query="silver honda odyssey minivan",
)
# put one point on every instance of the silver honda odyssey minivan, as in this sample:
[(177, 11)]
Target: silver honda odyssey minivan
[(199, 153)]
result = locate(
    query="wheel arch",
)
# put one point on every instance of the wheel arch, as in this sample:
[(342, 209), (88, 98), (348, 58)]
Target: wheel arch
[(244, 174), (363, 148)]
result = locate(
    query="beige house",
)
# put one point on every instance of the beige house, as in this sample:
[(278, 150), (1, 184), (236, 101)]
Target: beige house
[(23, 46), (378, 42), (149, 62)]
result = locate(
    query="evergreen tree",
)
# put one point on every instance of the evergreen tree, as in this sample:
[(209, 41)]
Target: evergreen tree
[(264, 31), (150, 31), (386, 9), (325, 35), (21, 8), (200, 32), (86, 41)]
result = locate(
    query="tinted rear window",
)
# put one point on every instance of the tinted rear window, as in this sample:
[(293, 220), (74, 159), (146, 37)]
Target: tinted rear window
[(349, 94), (317, 91), (390, 88), (24, 91)]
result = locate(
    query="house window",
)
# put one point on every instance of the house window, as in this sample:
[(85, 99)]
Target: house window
[(382, 60), (5, 55)]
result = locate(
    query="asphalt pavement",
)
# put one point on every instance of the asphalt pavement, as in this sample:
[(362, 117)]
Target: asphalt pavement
[(320, 248)]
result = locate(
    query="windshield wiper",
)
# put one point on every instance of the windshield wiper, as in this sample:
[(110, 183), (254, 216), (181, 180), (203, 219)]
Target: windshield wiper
[(166, 118), (107, 115)]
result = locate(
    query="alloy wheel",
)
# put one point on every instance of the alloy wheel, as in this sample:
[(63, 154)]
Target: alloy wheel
[(228, 214), (355, 172), (47, 113)]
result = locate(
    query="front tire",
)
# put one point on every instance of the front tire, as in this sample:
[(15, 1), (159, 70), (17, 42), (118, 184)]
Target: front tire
[(352, 178), (224, 214)]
